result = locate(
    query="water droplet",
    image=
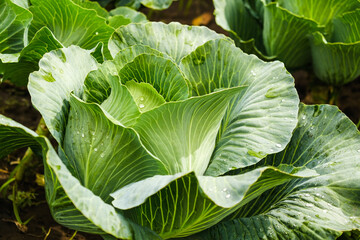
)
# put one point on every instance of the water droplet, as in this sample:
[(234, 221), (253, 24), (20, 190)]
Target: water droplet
[(312, 128), (304, 117), (114, 73), (96, 33), (325, 211), (358, 150), (78, 132), (102, 155), (82, 135), (253, 73), (309, 205), (141, 105), (228, 195), (282, 100), (141, 98), (224, 190), (278, 145), (307, 195), (93, 133), (95, 149)]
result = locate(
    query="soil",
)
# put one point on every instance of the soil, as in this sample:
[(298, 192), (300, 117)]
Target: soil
[(15, 103)]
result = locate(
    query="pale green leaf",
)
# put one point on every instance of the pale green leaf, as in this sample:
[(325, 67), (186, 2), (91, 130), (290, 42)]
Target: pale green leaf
[(61, 72), (319, 207), (162, 73), (182, 134), (257, 123), (71, 204), (173, 39), (183, 204), (131, 14), (103, 153)]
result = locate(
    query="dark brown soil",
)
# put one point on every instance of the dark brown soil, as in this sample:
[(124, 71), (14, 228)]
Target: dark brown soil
[(15, 103)]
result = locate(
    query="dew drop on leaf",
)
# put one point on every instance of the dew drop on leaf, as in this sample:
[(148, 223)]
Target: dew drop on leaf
[(141, 105), (228, 195), (278, 145)]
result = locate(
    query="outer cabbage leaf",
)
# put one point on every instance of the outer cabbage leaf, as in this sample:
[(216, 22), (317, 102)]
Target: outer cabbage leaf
[(257, 123), (70, 202), (320, 207), (174, 39), (61, 72), (183, 204)]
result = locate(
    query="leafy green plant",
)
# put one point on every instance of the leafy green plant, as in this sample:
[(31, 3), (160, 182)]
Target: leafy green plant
[(29, 31), (298, 32), (182, 134)]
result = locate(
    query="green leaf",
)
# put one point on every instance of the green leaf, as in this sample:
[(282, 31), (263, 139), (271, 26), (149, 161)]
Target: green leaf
[(43, 42), (346, 28), (71, 204), (122, 105), (13, 27), (131, 14), (285, 36), (61, 72), (321, 11), (182, 134), (103, 153), (128, 54), (237, 17), (93, 5), (21, 137), (183, 204), (145, 96), (257, 123), (157, 4), (319, 207), (70, 23), (173, 39), (162, 73), (335, 63), (97, 83)]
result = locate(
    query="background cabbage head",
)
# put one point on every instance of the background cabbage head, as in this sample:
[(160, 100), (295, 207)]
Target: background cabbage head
[(298, 32)]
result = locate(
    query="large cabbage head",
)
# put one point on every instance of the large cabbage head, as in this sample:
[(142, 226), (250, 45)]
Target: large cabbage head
[(298, 32), (171, 137)]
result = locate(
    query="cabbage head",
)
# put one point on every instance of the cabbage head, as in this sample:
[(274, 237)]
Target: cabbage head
[(298, 32), (184, 135)]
